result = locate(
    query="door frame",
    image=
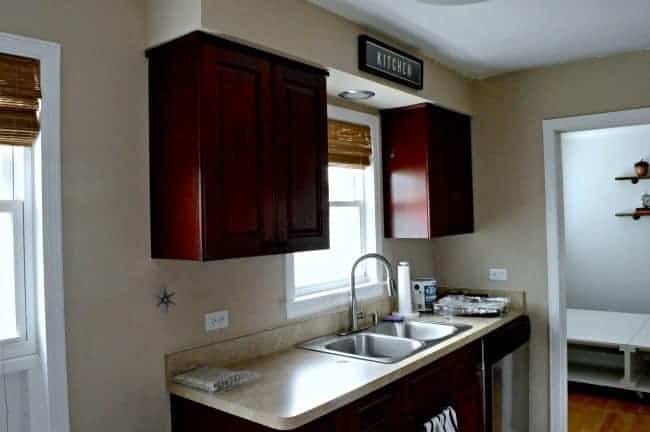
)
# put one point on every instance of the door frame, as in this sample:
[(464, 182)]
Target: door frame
[(53, 414), (552, 131)]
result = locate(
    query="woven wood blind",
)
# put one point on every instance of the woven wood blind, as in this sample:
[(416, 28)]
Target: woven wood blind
[(348, 144), (20, 92)]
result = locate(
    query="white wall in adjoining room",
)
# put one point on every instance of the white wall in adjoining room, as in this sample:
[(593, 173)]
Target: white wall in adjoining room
[(607, 257)]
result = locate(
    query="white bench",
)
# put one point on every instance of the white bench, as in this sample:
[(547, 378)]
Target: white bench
[(608, 348)]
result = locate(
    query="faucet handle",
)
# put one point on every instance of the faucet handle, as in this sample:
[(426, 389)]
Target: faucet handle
[(375, 318), (361, 315)]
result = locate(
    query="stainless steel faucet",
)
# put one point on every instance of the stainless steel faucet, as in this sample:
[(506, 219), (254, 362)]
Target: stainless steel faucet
[(355, 315)]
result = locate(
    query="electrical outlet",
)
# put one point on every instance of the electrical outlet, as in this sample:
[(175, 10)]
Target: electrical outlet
[(216, 320), (498, 274)]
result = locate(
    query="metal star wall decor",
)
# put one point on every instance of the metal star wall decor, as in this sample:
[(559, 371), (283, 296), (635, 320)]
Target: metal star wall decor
[(165, 300)]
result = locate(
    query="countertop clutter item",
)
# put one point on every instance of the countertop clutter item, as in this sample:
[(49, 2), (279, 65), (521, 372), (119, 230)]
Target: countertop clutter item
[(212, 379), (641, 168), (461, 305), (404, 301), (424, 292)]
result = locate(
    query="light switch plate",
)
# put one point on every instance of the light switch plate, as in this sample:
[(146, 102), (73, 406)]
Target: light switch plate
[(216, 320), (498, 274)]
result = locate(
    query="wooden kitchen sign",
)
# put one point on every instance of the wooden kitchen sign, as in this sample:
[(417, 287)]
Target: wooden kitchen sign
[(379, 59)]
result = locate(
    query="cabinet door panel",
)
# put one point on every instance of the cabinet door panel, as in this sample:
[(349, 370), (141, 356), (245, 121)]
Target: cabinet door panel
[(427, 172), (236, 151), (301, 163), (174, 155), (454, 381), (452, 209), (406, 137)]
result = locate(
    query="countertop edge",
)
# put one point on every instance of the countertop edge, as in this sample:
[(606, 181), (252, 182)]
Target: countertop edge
[(277, 422)]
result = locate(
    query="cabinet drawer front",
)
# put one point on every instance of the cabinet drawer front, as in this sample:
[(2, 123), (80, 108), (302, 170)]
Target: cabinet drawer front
[(236, 150)]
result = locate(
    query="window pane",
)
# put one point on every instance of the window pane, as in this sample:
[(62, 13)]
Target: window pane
[(334, 264), (345, 184), (6, 173), (8, 329)]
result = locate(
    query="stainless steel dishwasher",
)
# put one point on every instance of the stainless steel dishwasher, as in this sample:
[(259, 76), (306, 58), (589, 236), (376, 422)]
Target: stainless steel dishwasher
[(506, 386)]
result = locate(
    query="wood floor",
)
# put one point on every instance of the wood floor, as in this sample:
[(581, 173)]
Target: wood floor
[(593, 409)]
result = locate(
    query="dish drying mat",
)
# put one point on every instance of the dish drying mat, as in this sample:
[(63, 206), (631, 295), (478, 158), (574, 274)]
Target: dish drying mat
[(213, 379), (462, 305)]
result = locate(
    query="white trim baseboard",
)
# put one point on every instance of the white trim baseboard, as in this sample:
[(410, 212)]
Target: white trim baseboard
[(552, 130), (48, 229)]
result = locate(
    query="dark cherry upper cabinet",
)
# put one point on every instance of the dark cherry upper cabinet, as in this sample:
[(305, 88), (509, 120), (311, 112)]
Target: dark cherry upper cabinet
[(238, 151), (427, 172), (301, 136)]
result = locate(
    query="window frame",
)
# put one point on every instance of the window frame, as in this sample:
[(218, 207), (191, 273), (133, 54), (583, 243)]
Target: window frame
[(49, 409), (14, 209), (335, 295), (21, 207)]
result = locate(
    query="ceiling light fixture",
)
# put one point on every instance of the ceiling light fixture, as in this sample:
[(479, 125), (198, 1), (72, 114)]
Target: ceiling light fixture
[(356, 94)]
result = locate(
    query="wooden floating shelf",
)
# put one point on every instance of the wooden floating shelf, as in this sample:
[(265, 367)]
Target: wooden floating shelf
[(633, 215), (633, 179)]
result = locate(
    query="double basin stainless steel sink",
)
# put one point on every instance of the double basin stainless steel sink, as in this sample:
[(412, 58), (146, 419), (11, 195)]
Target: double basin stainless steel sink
[(387, 342)]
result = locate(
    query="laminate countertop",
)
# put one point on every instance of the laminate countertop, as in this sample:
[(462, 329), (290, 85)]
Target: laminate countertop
[(298, 386)]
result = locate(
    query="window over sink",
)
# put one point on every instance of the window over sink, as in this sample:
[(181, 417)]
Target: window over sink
[(320, 280), (14, 176)]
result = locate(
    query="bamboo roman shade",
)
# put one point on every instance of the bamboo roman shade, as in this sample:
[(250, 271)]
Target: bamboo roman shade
[(20, 92), (348, 144)]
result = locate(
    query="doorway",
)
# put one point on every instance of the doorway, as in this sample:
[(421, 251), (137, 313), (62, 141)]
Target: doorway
[(553, 131)]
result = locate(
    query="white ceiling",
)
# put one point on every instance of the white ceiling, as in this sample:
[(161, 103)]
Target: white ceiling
[(497, 36)]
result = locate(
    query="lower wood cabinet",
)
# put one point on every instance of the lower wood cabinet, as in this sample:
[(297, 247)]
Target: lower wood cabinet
[(454, 380), (377, 412)]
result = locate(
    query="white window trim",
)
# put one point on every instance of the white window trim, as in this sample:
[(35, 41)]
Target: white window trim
[(339, 295), (52, 413), (14, 347), (23, 206)]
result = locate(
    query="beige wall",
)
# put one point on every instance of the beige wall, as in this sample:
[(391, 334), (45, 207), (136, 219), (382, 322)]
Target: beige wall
[(300, 29), (116, 336), (509, 181)]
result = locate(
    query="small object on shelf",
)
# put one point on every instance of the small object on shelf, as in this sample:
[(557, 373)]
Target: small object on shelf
[(641, 168), (645, 201)]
